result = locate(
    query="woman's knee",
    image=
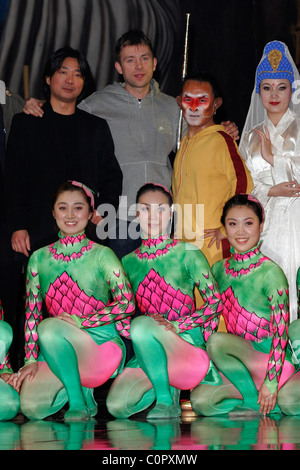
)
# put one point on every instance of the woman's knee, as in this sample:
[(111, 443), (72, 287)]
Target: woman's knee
[(216, 343), (48, 329), (294, 332), (116, 405), (9, 402), (140, 326), (6, 336)]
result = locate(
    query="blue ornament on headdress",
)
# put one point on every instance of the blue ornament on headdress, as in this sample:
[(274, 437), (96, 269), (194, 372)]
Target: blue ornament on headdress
[(275, 64)]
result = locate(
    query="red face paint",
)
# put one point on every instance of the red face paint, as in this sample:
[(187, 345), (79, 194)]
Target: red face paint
[(194, 102)]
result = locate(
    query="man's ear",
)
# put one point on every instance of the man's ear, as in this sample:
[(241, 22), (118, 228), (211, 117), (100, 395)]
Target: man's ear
[(154, 63), (178, 100), (48, 80), (218, 103), (118, 68)]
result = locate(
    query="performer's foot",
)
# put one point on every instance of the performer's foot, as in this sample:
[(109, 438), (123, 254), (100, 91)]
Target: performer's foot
[(162, 411), (77, 414), (243, 411), (90, 401), (175, 393)]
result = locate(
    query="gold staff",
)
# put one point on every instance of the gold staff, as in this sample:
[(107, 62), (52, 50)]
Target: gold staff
[(184, 67)]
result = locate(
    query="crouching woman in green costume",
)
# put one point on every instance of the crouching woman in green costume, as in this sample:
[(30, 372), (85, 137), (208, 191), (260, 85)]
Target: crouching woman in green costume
[(169, 337), (254, 358), (85, 291), (9, 398)]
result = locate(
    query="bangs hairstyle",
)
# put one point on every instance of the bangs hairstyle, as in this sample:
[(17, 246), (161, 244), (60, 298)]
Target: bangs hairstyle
[(243, 200), (154, 188), (68, 186), (55, 62), (133, 37)]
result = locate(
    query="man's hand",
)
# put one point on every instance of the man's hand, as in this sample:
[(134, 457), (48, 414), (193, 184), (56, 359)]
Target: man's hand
[(34, 107), (216, 235), (231, 129), (96, 218), (20, 242)]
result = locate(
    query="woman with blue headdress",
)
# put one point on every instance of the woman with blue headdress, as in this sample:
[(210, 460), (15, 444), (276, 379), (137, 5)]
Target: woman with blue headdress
[(270, 145)]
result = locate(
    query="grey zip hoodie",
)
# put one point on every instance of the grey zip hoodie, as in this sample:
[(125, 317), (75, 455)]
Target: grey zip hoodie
[(144, 133)]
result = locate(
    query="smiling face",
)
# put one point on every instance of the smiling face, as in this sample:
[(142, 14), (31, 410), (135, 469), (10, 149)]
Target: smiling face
[(243, 228), (275, 97), (198, 105), (66, 83), (137, 65), (153, 213), (71, 212)]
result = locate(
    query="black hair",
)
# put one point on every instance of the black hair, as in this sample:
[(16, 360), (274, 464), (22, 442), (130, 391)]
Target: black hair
[(154, 188), (205, 77), (243, 200), (55, 62), (133, 37), (68, 186)]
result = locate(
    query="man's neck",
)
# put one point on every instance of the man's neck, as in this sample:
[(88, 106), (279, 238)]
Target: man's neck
[(193, 130), (61, 107), (137, 92)]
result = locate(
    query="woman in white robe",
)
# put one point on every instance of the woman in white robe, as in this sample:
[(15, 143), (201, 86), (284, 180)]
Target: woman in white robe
[(270, 145)]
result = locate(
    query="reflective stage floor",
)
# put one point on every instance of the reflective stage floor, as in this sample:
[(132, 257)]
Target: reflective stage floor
[(182, 438)]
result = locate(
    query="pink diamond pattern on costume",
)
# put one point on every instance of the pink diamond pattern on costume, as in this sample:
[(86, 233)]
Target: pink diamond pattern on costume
[(253, 328), (6, 362), (64, 295), (243, 323), (154, 295)]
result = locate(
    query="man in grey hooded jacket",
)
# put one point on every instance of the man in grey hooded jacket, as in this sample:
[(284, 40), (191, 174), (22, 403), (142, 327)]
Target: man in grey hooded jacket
[(143, 122)]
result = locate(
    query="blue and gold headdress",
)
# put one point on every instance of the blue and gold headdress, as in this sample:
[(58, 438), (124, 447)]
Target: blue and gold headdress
[(275, 64)]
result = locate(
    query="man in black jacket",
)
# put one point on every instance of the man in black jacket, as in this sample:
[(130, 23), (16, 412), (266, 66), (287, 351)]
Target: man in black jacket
[(67, 144)]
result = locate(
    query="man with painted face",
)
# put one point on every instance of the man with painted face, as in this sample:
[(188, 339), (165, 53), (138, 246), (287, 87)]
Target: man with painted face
[(208, 169)]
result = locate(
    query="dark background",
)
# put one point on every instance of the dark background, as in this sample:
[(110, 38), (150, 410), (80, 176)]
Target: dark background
[(226, 38)]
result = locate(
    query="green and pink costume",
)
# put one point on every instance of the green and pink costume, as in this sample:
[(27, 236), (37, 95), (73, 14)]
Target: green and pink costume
[(85, 280), (9, 398), (255, 350), (163, 274), (294, 329)]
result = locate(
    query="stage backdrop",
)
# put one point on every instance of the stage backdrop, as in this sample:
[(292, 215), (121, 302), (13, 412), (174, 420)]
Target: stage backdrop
[(35, 28), (225, 38)]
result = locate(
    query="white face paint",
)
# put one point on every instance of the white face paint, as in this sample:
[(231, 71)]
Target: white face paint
[(275, 96), (197, 104)]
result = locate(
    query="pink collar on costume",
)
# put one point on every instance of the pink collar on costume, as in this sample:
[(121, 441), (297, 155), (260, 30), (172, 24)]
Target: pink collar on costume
[(250, 259), (247, 255), (155, 241), (156, 247), (73, 242)]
